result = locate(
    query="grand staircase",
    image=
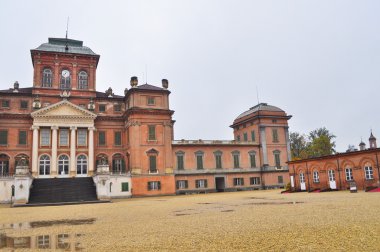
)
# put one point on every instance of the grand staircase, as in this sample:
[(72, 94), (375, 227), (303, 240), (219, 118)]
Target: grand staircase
[(62, 190)]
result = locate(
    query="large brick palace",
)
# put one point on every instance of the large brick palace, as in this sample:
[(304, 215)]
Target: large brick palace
[(61, 129)]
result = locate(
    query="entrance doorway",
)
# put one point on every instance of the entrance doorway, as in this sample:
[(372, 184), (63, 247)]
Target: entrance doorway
[(219, 184)]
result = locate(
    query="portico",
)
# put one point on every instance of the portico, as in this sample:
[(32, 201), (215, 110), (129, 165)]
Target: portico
[(63, 141)]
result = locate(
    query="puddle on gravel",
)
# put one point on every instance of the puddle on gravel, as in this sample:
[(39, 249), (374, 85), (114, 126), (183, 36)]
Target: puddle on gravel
[(63, 242), (205, 203), (38, 224), (275, 203), (226, 211)]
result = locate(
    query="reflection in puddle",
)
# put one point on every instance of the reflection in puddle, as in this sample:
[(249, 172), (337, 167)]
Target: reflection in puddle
[(38, 224), (226, 211), (67, 242)]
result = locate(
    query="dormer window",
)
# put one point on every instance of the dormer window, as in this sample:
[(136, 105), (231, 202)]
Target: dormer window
[(65, 79), (47, 77), (82, 80)]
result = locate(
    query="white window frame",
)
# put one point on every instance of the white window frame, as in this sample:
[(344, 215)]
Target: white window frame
[(302, 177), (181, 184), (82, 137), (82, 164), (153, 185), (201, 183), (45, 138), (316, 176), (331, 175), (368, 170), (349, 175), (238, 181), (62, 137)]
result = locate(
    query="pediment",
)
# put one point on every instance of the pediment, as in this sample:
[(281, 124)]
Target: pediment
[(63, 109)]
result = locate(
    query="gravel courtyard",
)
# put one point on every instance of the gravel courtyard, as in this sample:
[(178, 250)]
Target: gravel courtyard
[(240, 221)]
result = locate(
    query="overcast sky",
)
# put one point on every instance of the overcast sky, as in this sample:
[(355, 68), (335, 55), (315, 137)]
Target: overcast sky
[(317, 60)]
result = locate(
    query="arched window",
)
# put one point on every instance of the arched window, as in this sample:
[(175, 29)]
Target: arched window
[(47, 77), (316, 177), (44, 165), (368, 171), (118, 164), (331, 175), (82, 165), (82, 80), (65, 79), (63, 165), (302, 177), (4, 165), (349, 175)]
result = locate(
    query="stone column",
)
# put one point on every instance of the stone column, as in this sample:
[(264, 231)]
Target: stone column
[(91, 150), (72, 151), (54, 152), (35, 151)]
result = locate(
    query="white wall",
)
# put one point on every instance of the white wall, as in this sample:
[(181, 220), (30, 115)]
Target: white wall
[(116, 181), (6, 189)]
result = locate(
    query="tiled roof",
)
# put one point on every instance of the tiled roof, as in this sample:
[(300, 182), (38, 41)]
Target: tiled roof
[(149, 87), (59, 44), (27, 90), (103, 95), (259, 107)]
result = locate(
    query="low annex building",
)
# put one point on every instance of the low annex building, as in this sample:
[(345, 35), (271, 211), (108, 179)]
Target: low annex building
[(63, 128), (339, 171)]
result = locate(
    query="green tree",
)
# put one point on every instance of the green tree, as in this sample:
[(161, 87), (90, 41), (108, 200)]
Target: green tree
[(321, 143), (318, 143), (298, 145)]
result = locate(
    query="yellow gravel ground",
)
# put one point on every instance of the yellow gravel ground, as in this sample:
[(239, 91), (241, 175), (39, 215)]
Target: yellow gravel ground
[(240, 221)]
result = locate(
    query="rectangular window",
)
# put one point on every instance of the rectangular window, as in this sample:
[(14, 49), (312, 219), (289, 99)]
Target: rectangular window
[(252, 159), (150, 100), (277, 160), (117, 107), (253, 137), (180, 165), (236, 161), (199, 162), (45, 137), (182, 184), (117, 138), (154, 185), (102, 138), (5, 103), (280, 180), (274, 135), (201, 183), (152, 164), (254, 180), (238, 181), (63, 137), (238, 138), (302, 178), (22, 137), (349, 176), (43, 241), (102, 108), (82, 137), (245, 136), (3, 137), (218, 161), (23, 104), (152, 132), (124, 187)]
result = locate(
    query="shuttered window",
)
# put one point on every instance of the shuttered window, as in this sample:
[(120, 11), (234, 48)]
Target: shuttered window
[(152, 132), (180, 165), (238, 181), (45, 137), (199, 162), (253, 137), (154, 185), (201, 183), (152, 164), (252, 159), (117, 138), (22, 135), (102, 138), (254, 180), (245, 136), (125, 187)]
